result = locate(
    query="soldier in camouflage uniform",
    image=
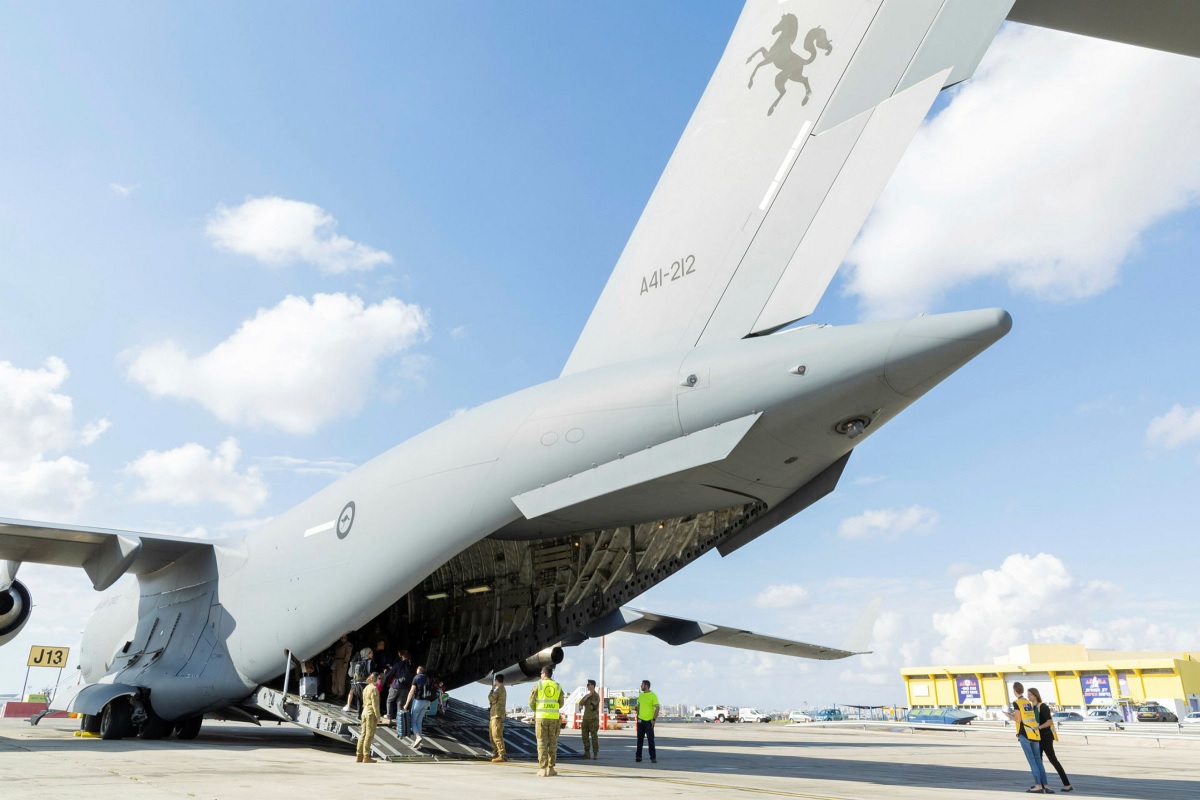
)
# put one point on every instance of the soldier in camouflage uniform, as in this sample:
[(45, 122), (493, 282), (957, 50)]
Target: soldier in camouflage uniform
[(497, 702), (369, 719), (590, 703)]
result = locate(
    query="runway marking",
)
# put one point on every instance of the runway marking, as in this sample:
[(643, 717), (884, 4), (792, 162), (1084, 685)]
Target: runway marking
[(681, 782)]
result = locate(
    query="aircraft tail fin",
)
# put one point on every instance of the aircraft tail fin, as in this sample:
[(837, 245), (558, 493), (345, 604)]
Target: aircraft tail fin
[(801, 125)]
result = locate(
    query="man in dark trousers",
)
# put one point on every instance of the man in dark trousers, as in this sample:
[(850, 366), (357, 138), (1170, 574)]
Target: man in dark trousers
[(647, 713), (397, 680)]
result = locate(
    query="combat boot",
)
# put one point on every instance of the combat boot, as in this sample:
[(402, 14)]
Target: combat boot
[(550, 772), (541, 772), (498, 760), (358, 758), (368, 760)]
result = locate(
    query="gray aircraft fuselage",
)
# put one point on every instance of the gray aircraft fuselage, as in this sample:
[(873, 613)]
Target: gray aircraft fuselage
[(201, 634)]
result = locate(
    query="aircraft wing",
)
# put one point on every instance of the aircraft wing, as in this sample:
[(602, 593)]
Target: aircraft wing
[(805, 118), (679, 630), (104, 554)]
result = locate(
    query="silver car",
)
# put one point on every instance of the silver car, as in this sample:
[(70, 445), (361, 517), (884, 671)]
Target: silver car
[(1191, 719), (1104, 715)]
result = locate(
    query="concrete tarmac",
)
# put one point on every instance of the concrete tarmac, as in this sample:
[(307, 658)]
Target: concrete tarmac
[(231, 761)]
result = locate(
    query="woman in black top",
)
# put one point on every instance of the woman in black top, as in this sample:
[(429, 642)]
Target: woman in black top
[(1046, 723)]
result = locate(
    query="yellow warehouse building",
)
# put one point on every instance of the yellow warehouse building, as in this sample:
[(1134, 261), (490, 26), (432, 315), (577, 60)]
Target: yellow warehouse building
[(1067, 675)]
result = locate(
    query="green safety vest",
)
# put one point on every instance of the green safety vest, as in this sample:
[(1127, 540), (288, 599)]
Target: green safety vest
[(549, 698)]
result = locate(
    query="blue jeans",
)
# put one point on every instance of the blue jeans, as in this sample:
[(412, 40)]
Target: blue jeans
[(1033, 754), (421, 707)]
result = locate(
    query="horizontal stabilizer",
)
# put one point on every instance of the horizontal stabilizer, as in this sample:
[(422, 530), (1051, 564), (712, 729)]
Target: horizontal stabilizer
[(1169, 25), (679, 630), (104, 554)]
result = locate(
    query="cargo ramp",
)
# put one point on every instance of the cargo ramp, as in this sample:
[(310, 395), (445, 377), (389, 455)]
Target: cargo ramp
[(461, 733)]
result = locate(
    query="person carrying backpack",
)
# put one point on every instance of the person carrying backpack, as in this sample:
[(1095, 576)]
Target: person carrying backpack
[(420, 695), (397, 680), (360, 669)]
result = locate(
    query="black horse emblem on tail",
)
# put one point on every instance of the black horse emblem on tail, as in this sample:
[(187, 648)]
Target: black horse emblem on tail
[(790, 63)]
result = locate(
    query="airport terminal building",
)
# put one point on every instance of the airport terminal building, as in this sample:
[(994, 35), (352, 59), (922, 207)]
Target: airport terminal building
[(1068, 676)]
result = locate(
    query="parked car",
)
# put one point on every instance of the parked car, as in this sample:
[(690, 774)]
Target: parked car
[(799, 716), (1191, 719), (717, 714), (1153, 712), (1060, 717), (1104, 715), (752, 715), (828, 715)]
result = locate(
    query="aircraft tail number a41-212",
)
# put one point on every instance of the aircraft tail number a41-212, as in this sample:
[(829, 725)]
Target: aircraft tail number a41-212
[(690, 416)]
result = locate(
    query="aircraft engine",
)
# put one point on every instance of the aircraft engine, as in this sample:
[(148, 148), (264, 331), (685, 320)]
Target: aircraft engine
[(530, 669), (15, 605)]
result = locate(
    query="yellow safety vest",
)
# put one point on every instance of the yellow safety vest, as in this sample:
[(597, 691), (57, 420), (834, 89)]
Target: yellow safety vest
[(1029, 719), (549, 698)]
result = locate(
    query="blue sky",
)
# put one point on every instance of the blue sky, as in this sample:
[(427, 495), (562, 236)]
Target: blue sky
[(466, 153)]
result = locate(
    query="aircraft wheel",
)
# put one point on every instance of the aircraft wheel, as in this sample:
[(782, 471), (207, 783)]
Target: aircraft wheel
[(89, 723), (187, 729), (114, 722), (155, 727)]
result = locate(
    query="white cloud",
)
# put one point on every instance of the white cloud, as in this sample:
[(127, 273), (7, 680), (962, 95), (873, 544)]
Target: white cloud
[(37, 424), (121, 190), (292, 367), (888, 523), (1039, 172), (333, 467), (279, 232), (1000, 608), (192, 474), (458, 333), (1175, 428), (783, 595)]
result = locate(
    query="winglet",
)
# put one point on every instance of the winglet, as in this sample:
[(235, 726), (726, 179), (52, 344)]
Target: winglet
[(859, 638)]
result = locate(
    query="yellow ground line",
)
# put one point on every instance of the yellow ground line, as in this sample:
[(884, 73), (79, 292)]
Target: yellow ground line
[(680, 782)]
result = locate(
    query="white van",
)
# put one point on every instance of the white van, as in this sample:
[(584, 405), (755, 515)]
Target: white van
[(753, 715)]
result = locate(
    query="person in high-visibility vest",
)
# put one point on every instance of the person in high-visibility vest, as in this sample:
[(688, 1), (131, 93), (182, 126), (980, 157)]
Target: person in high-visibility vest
[(647, 714), (1024, 714), (545, 700)]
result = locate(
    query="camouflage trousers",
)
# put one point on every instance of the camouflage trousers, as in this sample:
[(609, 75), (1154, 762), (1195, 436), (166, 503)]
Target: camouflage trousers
[(591, 739), (367, 736), (496, 728), (547, 739)]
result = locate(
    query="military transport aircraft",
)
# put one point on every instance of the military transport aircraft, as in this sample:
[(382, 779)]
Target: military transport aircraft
[(692, 414)]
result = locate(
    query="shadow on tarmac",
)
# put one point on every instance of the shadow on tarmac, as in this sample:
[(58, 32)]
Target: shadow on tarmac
[(707, 757)]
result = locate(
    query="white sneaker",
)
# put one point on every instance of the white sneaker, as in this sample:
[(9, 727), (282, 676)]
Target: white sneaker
[(346, 708), (417, 741)]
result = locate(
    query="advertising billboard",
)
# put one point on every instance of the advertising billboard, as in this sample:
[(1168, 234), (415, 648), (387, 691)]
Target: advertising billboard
[(1096, 689), (968, 691)]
